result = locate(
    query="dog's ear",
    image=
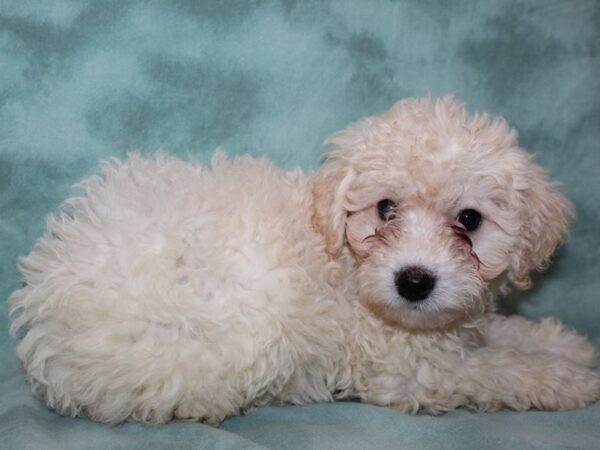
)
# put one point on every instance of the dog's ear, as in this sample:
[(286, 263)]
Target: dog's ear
[(329, 189), (546, 217)]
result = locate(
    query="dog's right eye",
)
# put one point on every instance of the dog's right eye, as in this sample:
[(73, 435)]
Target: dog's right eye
[(384, 209)]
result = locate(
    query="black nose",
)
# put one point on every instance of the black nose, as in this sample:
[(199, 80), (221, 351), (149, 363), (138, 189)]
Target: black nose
[(414, 283)]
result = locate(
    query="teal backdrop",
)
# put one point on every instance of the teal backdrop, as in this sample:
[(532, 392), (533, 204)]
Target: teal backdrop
[(82, 81)]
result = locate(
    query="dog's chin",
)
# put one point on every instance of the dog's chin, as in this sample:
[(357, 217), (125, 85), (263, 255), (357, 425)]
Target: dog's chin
[(420, 318)]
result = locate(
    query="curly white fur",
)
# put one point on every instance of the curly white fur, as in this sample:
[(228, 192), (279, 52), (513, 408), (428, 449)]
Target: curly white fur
[(172, 291)]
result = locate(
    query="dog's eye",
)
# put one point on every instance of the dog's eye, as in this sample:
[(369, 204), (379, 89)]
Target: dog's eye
[(469, 218), (384, 209)]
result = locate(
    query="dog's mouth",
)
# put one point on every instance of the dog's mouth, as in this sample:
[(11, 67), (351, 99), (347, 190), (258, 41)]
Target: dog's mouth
[(419, 318), (440, 299)]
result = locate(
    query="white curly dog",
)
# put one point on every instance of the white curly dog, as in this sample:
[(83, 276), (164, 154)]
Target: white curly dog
[(167, 290)]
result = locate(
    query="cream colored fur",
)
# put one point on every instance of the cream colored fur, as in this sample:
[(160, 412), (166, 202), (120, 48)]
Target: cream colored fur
[(167, 290)]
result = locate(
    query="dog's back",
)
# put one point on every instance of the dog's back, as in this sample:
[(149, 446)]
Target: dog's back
[(172, 290)]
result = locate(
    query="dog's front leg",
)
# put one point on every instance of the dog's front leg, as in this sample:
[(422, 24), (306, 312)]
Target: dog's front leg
[(492, 378), (547, 336)]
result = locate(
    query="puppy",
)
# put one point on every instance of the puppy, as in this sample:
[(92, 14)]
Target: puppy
[(167, 290)]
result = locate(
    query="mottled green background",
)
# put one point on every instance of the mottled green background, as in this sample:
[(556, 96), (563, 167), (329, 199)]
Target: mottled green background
[(85, 80)]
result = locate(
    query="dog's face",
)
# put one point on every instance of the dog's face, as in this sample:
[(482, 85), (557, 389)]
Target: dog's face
[(436, 207)]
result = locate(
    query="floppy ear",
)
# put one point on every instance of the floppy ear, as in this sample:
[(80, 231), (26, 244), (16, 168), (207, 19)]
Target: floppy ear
[(547, 214), (333, 181), (329, 189)]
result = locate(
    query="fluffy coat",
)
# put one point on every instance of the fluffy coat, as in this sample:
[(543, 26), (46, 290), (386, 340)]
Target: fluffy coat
[(168, 290)]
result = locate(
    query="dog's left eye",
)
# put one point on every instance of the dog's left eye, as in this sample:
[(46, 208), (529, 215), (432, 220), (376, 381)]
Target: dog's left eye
[(384, 208), (469, 218)]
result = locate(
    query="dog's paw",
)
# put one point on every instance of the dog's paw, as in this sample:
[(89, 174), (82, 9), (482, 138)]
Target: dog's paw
[(524, 381), (563, 387), (566, 343)]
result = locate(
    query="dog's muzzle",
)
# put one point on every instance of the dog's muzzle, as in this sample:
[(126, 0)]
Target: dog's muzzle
[(414, 283)]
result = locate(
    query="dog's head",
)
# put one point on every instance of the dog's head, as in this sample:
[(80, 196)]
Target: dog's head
[(437, 207)]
